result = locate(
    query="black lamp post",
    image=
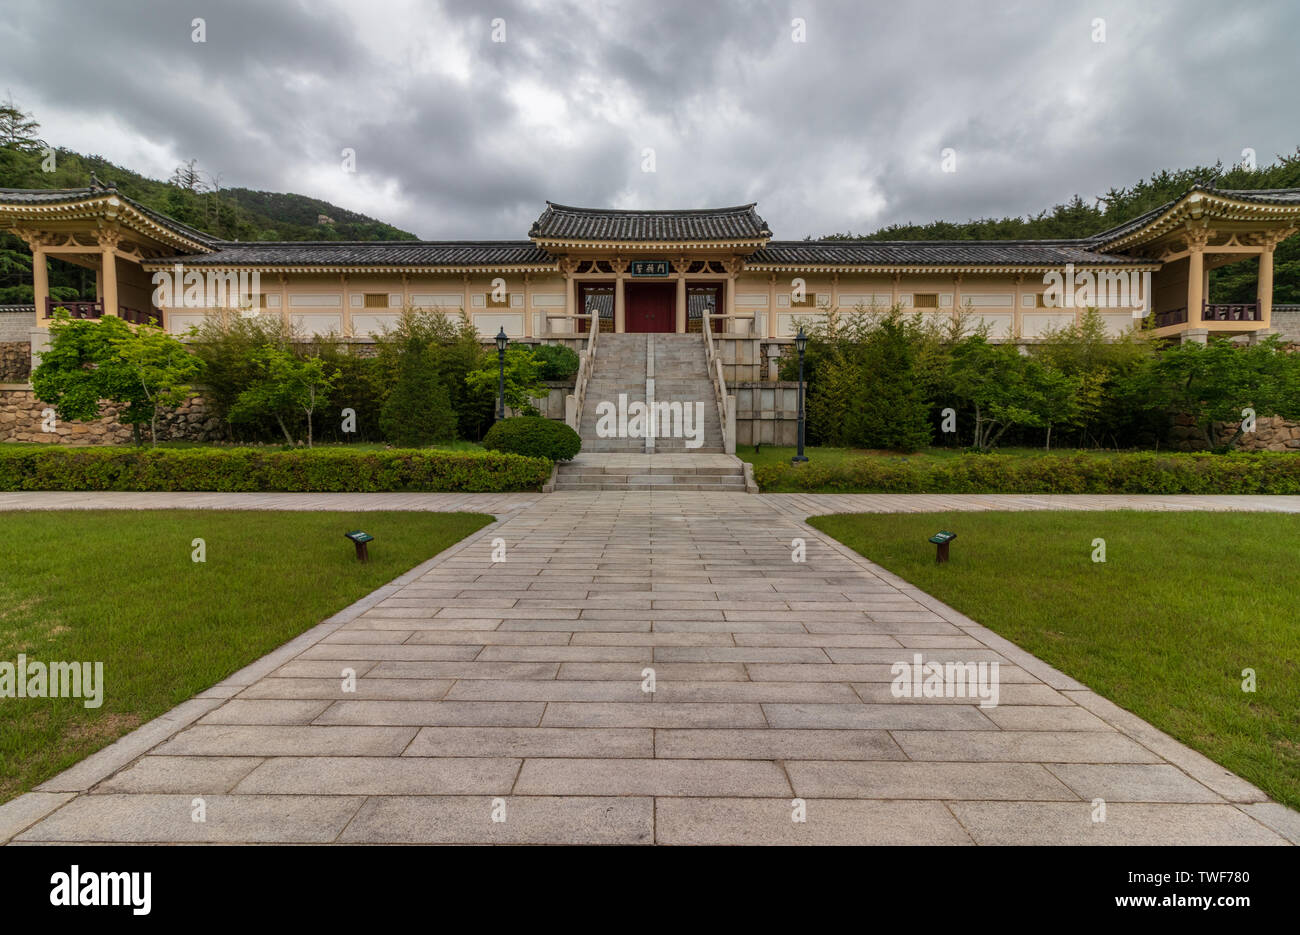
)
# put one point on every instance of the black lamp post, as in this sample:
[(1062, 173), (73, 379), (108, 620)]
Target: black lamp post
[(502, 341), (800, 344)]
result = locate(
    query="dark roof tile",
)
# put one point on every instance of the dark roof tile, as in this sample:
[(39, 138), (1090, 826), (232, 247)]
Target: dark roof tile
[(371, 253), (931, 253), (562, 222)]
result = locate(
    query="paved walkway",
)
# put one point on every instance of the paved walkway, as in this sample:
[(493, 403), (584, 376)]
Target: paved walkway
[(514, 691), (792, 504)]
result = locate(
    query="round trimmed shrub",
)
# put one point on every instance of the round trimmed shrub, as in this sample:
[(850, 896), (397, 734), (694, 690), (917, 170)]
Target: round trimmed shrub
[(533, 436), (554, 361)]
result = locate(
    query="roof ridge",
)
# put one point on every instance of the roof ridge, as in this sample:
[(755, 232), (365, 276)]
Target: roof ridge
[(357, 243), (720, 210), (1052, 241)]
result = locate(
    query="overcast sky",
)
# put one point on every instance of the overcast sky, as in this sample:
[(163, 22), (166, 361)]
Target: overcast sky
[(458, 136)]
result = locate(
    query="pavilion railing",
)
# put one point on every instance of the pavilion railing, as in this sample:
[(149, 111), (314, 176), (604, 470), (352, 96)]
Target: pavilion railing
[(95, 310), (1173, 316), (1241, 311)]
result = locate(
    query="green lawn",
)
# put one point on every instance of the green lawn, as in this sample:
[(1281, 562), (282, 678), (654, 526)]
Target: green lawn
[(120, 587), (1183, 603)]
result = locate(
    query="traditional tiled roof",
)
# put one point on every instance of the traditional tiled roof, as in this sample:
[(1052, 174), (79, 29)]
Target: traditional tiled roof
[(562, 222), (335, 253), (1283, 201), (56, 197), (948, 253)]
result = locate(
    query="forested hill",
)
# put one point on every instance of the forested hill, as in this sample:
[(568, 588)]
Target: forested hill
[(193, 195), (1081, 218), (196, 199)]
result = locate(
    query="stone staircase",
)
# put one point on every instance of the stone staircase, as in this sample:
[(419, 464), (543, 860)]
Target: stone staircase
[(667, 369), (620, 371), (681, 374)]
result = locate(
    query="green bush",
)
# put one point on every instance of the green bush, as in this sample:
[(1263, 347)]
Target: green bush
[(252, 469), (535, 437), (418, 410), (1139, 473), (555, 362)]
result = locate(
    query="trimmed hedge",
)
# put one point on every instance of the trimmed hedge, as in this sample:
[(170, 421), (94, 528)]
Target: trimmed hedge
[(1137, 473), (251, 469), (535, 437)]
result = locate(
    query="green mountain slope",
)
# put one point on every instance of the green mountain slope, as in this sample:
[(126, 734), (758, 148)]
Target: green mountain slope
[(192, 197)]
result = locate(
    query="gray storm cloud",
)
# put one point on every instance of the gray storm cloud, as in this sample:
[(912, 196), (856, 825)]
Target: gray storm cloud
[(459, 136)]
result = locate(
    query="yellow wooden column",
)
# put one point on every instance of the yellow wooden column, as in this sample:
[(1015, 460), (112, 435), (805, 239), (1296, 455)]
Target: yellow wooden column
[(568, 267), (620, 312), (108, 263), (528, 306), (728, 323), (680, 326), (771, 305), (1264, 289), (40, 282), (1195, 284), (345, 318)]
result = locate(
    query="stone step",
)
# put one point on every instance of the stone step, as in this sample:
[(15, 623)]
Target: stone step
[(573, 469), (681, 477), (717, 488)]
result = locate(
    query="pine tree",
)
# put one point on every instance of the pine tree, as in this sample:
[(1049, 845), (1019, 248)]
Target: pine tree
[(889, 409), (18, 128), (418, 409)]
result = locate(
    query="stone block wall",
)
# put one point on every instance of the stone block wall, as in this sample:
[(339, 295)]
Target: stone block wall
[(15, 361), (742, 359), (1286, 322), (17, 322), (1272, 433), (766, 413), (21, 421)]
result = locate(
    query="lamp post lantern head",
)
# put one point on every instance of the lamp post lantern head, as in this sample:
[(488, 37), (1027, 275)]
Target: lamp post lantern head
[(502, 340), (801, 340)]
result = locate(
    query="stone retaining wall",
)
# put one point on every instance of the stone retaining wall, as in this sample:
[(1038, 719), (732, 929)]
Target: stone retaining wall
[(21, 420), (15, 361), (766, 413), (1272, 433)]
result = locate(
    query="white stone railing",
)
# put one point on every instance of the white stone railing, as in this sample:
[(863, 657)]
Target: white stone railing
[(573, 403), (726, 404)]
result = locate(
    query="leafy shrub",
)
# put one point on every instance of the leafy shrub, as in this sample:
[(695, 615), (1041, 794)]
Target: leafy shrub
[(418, 410), (535, 437), (1140, 473), (555, 361), (252, 469), (451, 344)]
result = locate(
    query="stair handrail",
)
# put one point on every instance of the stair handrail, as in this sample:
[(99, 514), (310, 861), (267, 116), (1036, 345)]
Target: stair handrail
[(726, 404), (574, 402)]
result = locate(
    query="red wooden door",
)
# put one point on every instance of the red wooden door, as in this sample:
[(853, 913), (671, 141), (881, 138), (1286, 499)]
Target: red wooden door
[(649, 307)]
